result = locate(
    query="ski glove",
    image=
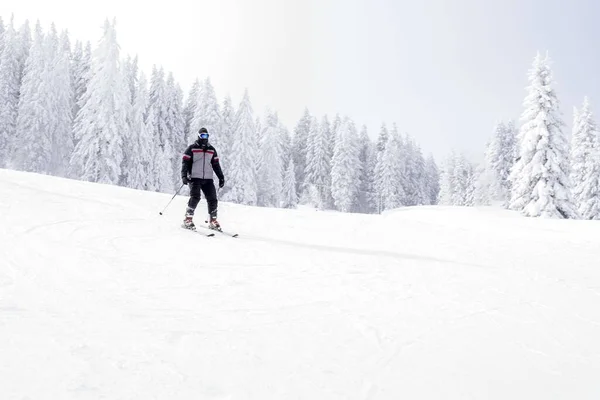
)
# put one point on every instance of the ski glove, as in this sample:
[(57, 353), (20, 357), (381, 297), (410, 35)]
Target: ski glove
[(221, 182), (185, 180)]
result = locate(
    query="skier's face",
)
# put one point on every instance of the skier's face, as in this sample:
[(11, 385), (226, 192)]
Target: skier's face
[(203, 139)]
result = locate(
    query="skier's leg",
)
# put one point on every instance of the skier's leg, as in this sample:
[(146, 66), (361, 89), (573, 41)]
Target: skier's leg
[(195, 187), (192, 202), (210, 194)]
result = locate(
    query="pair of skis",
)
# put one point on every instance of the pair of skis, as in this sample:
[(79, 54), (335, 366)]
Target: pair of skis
[(212, 231)]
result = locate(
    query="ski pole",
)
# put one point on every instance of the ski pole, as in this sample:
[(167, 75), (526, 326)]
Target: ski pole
[(176, 193)]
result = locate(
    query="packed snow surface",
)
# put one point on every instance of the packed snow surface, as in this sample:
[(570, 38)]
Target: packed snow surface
[(103, 298)]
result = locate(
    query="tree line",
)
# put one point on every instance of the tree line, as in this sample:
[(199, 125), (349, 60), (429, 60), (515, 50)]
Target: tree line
[(86, 112)]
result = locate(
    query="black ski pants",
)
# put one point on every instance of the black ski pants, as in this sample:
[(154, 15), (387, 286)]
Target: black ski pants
[(207, 187)]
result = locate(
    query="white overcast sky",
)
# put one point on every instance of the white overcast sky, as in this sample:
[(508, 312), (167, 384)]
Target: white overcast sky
[(444, 71)]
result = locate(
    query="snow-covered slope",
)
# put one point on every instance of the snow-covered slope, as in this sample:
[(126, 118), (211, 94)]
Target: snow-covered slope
[(102, 298)]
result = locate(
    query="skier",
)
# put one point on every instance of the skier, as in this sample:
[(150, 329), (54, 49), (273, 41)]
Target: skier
[(200, 159)]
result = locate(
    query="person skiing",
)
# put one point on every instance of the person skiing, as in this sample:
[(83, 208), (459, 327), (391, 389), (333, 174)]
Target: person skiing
[(199, 161)]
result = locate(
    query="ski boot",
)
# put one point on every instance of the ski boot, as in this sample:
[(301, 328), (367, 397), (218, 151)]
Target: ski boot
[(188, 222), (214, 224)]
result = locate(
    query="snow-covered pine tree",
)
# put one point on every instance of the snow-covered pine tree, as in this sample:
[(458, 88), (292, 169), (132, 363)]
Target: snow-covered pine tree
[(191, 102), (318, 164), (140, 174), (447, 183), (585, 163), (226, 133), (242, 179), (327, 136), (402, 165), (9, 92), (382, 140), (24, 46), (462, 181), (290, 197), (175, 124), (499, 159), (164, 152), (271, 168), (335, 127), (541, 186), (299, 148), (493, 153), (76, 58), (2, 30), (366, 181), (344, 169), (60, 102), (207, 113), (130, 76), (81, 69), (102, 120), (392, 191), (470, 197), (433, 180), (414, 175), (486, 183), (286, 143), (310, 191), (33, 145)]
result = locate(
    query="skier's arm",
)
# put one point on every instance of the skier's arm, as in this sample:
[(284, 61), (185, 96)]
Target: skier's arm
[(217, 166), (186, 162)]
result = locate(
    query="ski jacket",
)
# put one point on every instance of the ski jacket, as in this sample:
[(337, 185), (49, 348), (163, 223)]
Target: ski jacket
[(199, 162)]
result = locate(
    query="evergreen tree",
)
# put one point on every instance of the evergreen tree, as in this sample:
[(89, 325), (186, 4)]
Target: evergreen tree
[(191, 102), (382, 140), (60, 102), (207, 113), (140, 173), (335, 127), (447, 184), (392, 191), (415, 177), (540, 178), (433, 180), (2, 30), (585, 163), (310, 190), (271, 167), (33, 145), (366, 181), (226, 134), (344, 169), (462, 181), (102, 120), (81, 70), (299, 148), (470, 197), (500, 157), (157, 112), (175, 123), (318, 164), (24, 45), (9, 92), (242, 180), (130, 76), (290, 197)]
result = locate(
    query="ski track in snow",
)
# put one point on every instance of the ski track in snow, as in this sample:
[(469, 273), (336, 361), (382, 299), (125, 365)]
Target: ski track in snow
[(100, 297)]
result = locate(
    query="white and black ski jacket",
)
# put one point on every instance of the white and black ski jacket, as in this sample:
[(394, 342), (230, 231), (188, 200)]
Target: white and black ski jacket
[(199, 162)]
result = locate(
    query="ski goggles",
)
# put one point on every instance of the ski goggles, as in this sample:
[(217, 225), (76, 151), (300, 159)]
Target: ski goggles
[(204, 136)]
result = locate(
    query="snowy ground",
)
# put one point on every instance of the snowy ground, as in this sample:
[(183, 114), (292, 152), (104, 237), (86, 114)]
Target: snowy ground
[(102, 298)]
